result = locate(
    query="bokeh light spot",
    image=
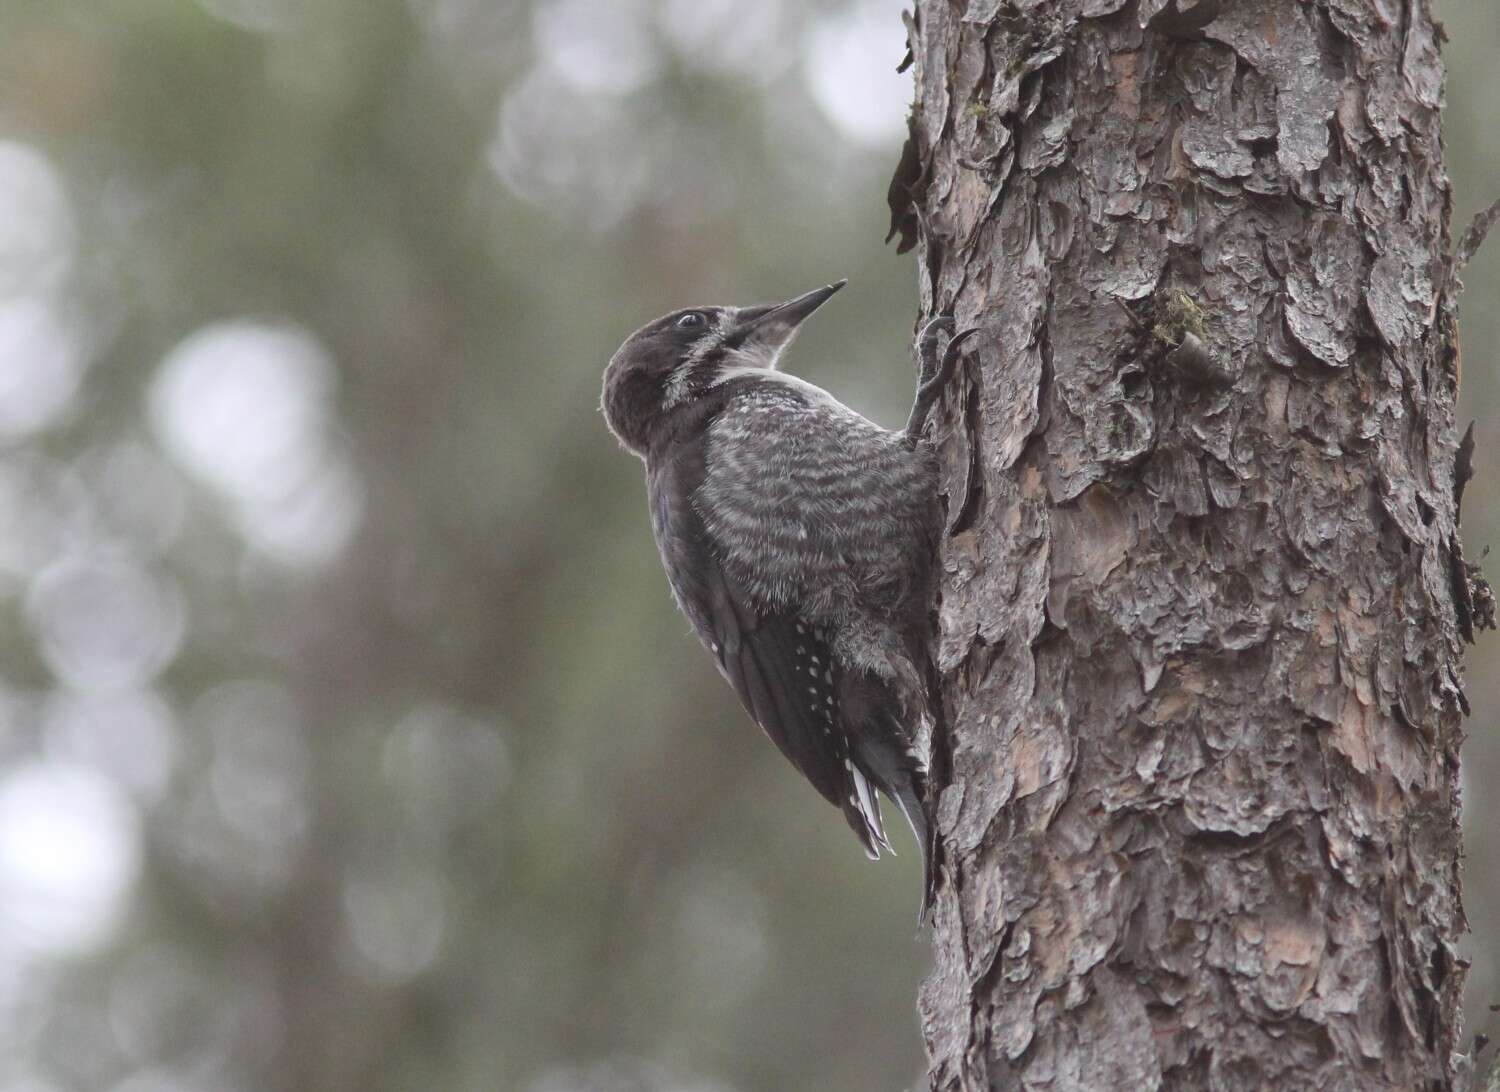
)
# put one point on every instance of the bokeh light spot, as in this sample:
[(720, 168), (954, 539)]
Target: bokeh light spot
[(128, 735), (105, 622), (396, 921), (602, 49), (729, 37), (260, 760), (138, 493), (849, 62), (553, 145), (42, 366), (36, 222), (245, 408), (46, 512), (69, 856)]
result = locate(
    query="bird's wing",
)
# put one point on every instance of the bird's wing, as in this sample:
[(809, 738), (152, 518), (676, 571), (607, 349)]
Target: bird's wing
[(801, 494), (779, 666)]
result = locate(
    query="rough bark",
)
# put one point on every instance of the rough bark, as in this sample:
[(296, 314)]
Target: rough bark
[(1202, 619)]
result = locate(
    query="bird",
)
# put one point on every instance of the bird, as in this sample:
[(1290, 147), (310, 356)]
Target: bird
[(799, 539)]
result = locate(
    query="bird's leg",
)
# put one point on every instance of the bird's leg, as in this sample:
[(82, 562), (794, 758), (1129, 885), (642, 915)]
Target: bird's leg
[(937, 369)]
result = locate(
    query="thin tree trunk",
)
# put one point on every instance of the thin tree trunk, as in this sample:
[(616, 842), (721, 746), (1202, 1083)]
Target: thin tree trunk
[(1204, 601)]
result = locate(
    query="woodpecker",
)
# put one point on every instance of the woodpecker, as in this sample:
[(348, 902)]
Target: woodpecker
[(798, 537)]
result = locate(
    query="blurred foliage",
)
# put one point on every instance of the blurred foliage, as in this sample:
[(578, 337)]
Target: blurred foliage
[(348, 736)]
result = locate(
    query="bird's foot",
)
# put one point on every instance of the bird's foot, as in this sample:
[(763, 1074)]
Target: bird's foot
[(937, 365), (931, 341)]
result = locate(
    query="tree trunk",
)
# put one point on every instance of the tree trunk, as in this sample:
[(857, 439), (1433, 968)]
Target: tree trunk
[(1202, 616)]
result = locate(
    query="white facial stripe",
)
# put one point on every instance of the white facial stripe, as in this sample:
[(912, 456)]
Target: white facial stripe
[(677, 383), (756, 358)]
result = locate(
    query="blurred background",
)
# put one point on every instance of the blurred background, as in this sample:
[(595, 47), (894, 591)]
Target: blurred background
[(348, 736)]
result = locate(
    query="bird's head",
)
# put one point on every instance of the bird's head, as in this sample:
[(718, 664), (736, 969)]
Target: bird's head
[(672, 361)]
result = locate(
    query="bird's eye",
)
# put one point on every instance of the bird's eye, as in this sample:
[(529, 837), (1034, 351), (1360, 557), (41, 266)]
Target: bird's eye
[(689, 320)]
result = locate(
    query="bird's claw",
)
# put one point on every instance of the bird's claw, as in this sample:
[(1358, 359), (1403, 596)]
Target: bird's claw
[(931, 336), (937, 370)]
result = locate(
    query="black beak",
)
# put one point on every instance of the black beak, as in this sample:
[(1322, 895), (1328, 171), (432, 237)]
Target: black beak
[(792, 312), (772, 327)]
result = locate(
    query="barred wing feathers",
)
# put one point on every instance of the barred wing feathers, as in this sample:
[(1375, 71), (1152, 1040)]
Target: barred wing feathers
[(803, 497), (779, 665)]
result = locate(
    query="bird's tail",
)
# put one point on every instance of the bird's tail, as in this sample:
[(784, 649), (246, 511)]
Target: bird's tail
[(862, 812), (892, 757), (908, 797)]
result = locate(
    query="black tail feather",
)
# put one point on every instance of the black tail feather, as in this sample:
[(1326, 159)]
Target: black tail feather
[(909, 799)]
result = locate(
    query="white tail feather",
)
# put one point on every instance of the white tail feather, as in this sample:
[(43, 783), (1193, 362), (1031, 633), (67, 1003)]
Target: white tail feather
[(869, 809)]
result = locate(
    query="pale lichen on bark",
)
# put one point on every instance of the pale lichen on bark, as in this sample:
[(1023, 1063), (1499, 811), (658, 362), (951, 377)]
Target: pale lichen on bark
[(1200, 633)]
